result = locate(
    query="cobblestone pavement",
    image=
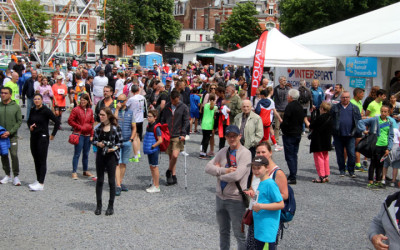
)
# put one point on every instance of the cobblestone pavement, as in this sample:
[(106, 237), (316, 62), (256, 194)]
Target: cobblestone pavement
[(335, 215)]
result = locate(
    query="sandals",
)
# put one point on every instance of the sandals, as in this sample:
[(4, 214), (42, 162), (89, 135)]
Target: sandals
[(321, 179)]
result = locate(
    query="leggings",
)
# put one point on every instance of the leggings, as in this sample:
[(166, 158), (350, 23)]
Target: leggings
[(222, 139), (105, 163), (376, 164), (39, 149), (206, 140)]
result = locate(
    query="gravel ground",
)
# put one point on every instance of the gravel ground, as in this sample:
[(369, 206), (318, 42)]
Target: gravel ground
[(329, 216)]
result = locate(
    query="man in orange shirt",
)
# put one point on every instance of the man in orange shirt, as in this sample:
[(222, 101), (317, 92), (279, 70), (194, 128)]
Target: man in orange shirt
[(60, 91)]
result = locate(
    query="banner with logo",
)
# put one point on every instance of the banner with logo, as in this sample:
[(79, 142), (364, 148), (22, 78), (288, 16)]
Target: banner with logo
[(258, 64), (326, 76)]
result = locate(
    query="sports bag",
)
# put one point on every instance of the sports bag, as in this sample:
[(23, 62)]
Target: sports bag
[(166, 137)]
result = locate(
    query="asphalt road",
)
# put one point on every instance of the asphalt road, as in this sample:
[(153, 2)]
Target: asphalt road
[(335, 215)]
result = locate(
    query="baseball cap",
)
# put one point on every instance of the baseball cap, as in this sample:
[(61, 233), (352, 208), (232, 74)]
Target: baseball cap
[(169, 79), (232, 129), (259, 161), (59, 77)]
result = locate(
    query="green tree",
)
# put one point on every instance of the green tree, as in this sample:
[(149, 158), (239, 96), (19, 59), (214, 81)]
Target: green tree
[(241, 27), (301, 16), (33, 15), (135, 22)]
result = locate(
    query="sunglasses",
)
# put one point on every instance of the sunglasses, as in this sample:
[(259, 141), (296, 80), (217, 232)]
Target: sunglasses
[(120, 101)]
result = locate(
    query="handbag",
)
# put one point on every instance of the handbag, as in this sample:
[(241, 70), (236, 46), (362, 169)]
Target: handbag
[(245, 198), (367, 144), (247, 219), (74, 138)]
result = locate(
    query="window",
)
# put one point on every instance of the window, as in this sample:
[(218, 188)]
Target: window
[(201, 37), (270, 26), (194, 21), (271, 10), (83, 29), (206, 21), (3, 1), (8, 42), (187, 37), (208, 38), (98, 29), (46, 8), (179, 8)]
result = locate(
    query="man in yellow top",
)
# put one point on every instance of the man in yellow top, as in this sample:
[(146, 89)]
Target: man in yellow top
[(358, 95), (12, 84), (374, 108)]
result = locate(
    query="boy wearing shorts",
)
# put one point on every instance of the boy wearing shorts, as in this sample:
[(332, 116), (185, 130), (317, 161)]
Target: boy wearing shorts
[(194, 109)]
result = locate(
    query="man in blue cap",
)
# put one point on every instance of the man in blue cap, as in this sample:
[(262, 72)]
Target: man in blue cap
[(230, 166)]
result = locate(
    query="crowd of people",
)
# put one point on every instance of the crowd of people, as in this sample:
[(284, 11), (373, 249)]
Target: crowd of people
[(108, 105)]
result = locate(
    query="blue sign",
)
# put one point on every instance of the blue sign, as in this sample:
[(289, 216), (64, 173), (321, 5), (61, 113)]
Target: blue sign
[(361, 66), (357, 82)]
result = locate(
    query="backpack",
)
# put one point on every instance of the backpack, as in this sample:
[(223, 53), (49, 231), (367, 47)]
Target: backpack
[(305, 95), (287, 213), (164, 134)]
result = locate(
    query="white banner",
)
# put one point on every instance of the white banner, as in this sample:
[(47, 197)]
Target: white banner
[(326, 76)]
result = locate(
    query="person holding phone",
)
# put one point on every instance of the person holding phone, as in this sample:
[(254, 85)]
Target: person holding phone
[(38, 124)]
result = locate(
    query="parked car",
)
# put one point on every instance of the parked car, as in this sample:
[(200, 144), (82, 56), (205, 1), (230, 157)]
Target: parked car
[(89, 57), (4, 63), (174, 61), (110, 58)]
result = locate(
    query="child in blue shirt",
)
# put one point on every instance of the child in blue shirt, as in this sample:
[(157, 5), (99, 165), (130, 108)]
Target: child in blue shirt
[(267, 209), (194, 109)]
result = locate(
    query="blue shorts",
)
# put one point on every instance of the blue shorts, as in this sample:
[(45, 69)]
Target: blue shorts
[(153, 159), (195, 114), (125, 152)]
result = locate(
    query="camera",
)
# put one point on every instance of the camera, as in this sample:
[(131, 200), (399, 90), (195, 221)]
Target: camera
[(107, 145)]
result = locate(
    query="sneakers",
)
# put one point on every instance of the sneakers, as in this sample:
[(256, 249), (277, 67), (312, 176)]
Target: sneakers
[(17, 182), (153, 189), (392, 184), (204, 157), (372, 186), (6, 179), (383, 181), (380, 185), (139, 156), (365, 164), (184, 153), (124, 188), (358, 169), (278, 148), (342, 173), (353, 175), (37, 187), (33, 184), (133, 159), (117, 191)]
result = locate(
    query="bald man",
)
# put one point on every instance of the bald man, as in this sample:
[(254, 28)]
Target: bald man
[(251, 127), (14, 87)]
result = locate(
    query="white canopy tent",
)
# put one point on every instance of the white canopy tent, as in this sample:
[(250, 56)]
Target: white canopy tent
[(280, 51), (376, 33)]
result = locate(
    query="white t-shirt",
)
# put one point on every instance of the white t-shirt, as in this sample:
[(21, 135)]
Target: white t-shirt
[(36, 85), (396, 133), (119, 87), (70, 78), (137, 104), (99, 82), (6, 80)]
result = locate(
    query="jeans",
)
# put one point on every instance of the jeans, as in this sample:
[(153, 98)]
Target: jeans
[(230, 212), (83, 145), (348, 142), (14, 158), (29, 105), (291, 148)]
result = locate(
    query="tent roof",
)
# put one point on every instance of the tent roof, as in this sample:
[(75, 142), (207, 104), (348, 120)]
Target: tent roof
[(376, 32), (205, 51), (280, 52)]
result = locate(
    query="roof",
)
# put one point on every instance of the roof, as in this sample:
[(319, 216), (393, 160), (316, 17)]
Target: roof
[(376, 33), (79, 3)]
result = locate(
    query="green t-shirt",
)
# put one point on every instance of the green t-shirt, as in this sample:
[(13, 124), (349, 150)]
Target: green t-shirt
[(15, 91), (207, 122), (384, 135), (374, 108), (358, 104)]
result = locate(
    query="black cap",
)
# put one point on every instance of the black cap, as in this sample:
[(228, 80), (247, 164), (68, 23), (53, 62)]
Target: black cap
[(232, 129), (260, 161)]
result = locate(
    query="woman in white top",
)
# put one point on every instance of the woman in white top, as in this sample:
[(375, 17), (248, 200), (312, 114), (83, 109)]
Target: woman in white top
[(119, 85)]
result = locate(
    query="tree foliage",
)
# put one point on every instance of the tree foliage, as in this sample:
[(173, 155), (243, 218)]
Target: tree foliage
[(301, 16), (136, 22), (241, 27), (33, 15)]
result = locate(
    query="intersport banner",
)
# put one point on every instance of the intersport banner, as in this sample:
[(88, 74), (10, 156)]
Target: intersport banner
[(258, 64)]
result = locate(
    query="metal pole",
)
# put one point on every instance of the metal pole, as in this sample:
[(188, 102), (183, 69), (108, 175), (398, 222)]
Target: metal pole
[(73, 25), (20, 19), (62, 27)]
